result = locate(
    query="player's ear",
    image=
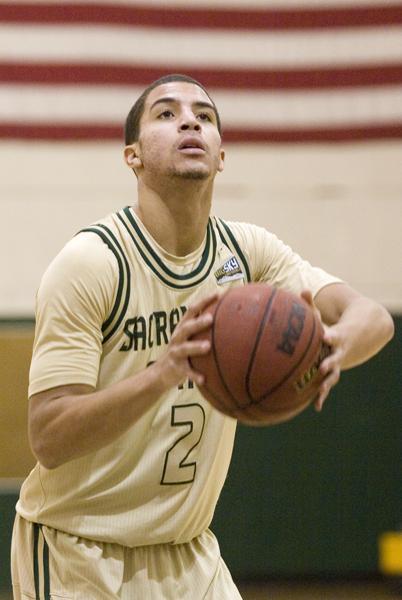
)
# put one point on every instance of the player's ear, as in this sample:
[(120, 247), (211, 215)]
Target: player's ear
[(221, 160), (131, 156)]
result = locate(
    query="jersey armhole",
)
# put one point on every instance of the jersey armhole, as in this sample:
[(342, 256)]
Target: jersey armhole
[(119, 308), (230, 242)]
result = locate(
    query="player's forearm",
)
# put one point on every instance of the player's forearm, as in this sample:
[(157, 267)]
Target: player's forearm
[(365, 327), (73, 425)]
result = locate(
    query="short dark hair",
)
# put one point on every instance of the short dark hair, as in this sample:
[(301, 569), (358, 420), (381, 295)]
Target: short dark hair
[(132, 126)]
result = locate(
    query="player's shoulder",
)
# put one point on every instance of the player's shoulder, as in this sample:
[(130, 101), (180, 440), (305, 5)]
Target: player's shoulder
[(85, 248), (245, 233), (103, 238), (85, 255), (106, 230)]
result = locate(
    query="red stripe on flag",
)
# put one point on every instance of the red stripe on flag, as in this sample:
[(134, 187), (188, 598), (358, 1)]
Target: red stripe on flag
[(251, 79), (338, 134), (78, 132), (219, 18)]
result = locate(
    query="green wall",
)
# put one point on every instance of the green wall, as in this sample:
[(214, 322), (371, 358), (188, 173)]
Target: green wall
[(311, 496), (8, 498)]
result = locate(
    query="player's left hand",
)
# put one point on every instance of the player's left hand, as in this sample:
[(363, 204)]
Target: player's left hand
[(330, 368)]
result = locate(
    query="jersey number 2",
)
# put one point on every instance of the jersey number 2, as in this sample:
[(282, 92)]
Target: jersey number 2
[(178, 467)]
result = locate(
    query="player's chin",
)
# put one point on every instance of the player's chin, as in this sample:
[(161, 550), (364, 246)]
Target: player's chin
[(200, 174), (194, 170)]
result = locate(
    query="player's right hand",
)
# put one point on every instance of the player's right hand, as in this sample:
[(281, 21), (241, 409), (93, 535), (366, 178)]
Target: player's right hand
[(174, 366)]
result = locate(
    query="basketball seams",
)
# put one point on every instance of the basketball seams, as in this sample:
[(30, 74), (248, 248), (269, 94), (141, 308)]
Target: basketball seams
[(242, 372), (257, 341), (291, 372), (215, 354)]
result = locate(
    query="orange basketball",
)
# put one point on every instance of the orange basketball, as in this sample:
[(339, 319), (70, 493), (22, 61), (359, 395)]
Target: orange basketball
[(266, 348)]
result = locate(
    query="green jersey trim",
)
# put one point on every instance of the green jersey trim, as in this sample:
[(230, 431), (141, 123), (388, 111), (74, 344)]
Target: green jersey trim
[(120, 305), (230, 241), (156, 264), (41, 566), (36, 559)]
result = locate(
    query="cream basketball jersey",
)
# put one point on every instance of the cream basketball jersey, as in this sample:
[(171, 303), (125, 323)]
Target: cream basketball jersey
[(106, 308)]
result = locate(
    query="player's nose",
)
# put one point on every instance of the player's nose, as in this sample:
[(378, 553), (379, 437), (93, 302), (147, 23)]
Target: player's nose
[(189, 121)]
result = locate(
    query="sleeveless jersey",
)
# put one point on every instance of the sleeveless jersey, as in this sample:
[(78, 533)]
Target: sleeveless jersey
[(106, 308)]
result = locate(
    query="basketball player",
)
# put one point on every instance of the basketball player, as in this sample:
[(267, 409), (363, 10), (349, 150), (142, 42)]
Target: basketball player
[(131, 458)]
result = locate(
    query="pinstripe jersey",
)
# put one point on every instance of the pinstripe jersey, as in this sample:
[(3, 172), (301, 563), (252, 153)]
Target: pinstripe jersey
[(106, 308)]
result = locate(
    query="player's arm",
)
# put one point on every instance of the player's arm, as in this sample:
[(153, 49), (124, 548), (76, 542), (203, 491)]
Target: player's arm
[(69, 421), (356, 328)]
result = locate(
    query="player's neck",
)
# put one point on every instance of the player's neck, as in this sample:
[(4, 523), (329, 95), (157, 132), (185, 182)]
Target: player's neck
[(177, 221)]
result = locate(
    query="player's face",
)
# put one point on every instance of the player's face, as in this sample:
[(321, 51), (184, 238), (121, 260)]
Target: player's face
[(178, 134)]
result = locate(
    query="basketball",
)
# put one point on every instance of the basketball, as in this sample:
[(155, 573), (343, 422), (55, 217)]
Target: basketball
[(266, 348)]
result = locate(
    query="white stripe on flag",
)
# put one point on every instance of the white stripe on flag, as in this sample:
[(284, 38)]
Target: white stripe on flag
[(98, 104), (186, 48)]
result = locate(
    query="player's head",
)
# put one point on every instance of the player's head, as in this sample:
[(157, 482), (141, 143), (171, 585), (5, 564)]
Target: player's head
[(132, 126), (174, 130)]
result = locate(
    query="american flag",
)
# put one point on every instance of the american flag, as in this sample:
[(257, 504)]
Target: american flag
[(279, 70)]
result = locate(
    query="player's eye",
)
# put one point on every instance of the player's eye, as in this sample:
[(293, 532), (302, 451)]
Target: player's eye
[(166, 114), (203, 116)]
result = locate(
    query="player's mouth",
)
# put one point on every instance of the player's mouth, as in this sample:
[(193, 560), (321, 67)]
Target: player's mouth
[(191, 145)]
